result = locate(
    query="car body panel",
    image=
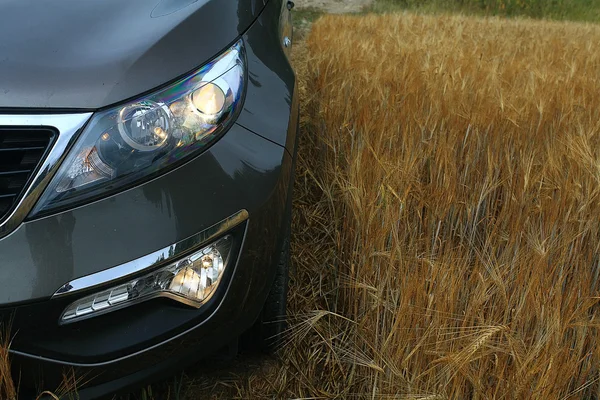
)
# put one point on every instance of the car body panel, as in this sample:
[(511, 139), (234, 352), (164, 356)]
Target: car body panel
[(46, 253), (271, 92), (73, 54)]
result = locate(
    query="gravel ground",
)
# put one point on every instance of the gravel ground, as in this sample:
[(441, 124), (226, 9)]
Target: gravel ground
[(334, 6)]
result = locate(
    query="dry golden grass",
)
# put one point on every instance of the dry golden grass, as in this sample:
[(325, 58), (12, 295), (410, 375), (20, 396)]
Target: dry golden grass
[(7, 386), (447, 224)]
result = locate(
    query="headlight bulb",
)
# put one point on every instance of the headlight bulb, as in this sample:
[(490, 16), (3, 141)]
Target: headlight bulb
[(209, 99), (187, 283), (145, 125)]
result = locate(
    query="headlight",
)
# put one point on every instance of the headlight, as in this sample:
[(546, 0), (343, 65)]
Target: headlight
[(126, 144)]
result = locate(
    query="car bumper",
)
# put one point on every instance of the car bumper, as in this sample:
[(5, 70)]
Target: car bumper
[(249, 169), (250, 174)]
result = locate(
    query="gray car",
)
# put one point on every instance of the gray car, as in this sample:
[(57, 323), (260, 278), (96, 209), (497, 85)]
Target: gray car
[(147, 152)]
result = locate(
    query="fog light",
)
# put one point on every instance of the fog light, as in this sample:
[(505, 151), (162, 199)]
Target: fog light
[(191, 280)]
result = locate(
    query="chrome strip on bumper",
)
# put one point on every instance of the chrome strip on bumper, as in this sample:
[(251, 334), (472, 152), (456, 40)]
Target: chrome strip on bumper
[(67, 125), (156, 258)]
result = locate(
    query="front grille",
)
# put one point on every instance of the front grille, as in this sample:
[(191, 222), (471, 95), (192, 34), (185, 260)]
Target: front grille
[(21, 152)]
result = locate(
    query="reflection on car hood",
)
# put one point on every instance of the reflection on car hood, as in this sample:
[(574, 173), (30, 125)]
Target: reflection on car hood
[(88, 54)]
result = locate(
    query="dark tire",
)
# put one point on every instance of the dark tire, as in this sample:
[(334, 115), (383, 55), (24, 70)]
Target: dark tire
[(266, 335)]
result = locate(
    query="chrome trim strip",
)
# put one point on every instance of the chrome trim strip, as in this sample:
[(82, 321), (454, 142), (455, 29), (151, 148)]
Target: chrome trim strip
[(68, 126), (159, 257)]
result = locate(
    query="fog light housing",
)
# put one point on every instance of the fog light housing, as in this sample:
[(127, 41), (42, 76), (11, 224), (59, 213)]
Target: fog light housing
[(191, 280)]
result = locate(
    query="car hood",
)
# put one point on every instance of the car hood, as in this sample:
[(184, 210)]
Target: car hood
[(87, 54)]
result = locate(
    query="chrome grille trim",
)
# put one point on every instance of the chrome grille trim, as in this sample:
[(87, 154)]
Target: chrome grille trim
[(22, 151), (68, 127)]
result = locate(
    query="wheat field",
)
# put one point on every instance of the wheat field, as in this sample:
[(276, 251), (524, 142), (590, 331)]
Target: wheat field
[(447, 222)]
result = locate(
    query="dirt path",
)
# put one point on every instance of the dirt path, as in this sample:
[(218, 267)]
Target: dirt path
[(334, 6)]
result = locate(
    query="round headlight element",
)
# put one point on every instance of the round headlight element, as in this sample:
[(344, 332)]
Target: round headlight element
[(145, 125), (209, 99)]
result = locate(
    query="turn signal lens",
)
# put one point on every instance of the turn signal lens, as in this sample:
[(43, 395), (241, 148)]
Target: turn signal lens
[(286, 28), (191, 281)]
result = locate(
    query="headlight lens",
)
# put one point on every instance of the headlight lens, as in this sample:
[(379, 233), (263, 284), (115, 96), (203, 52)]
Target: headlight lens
[(128, 143)]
